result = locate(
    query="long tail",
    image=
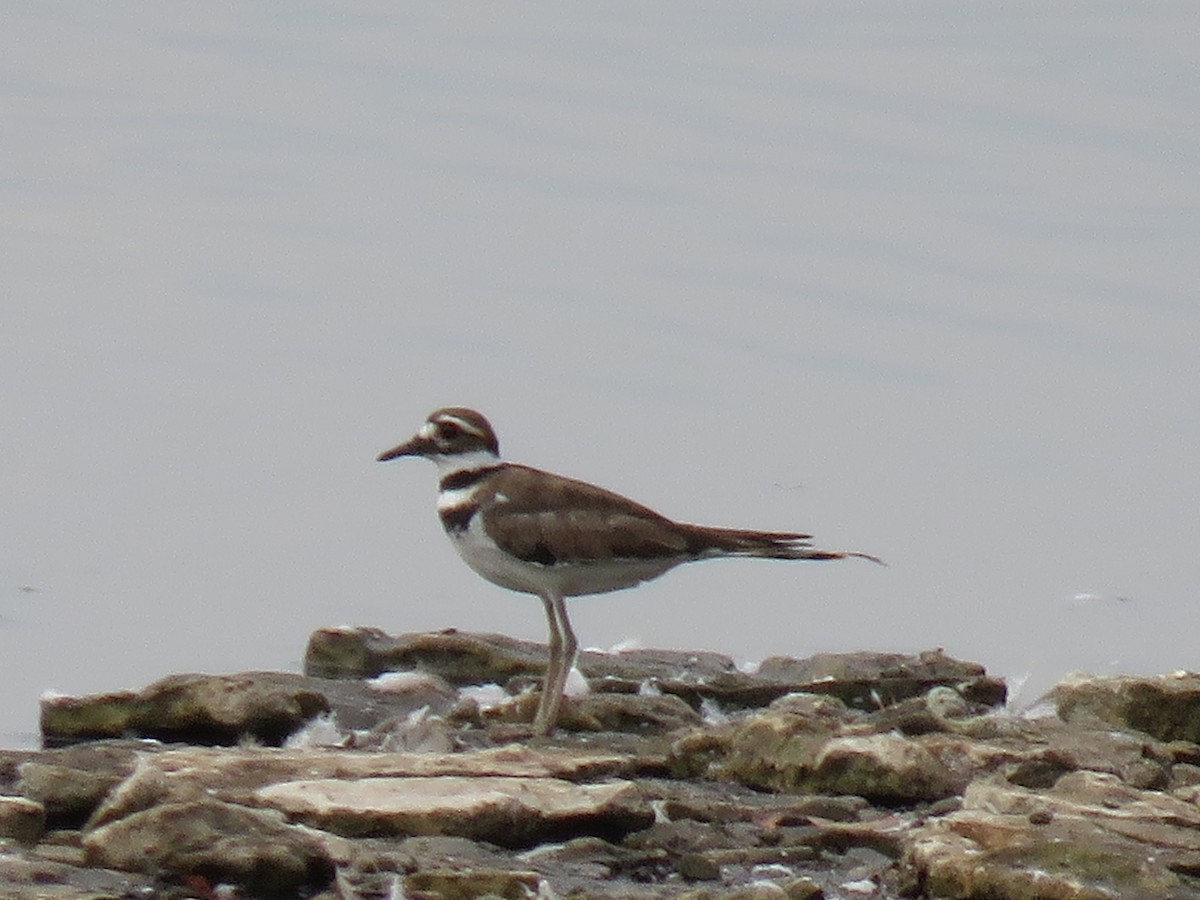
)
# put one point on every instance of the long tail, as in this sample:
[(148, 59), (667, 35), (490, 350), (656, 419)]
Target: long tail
[(708, 541)]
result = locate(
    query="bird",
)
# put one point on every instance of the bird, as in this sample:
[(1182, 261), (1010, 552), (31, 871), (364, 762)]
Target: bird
[(536, 532)]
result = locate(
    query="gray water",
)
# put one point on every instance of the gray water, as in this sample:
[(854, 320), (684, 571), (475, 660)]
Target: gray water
[(921, 279)]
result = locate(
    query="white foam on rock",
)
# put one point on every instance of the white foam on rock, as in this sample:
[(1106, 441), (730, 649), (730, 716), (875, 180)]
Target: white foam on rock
[(577, 685), (398, 682), (486, 696)]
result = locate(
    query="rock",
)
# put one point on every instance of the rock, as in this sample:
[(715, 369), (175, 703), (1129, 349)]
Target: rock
[(448, 884), (69, 719), (458, 657), (871, 680), (873, 775), (205, 709), (800, 745), (411, 675), (26, 874), (70, 783), (67, 795), (816, 706), (593, 859), (513, 812), (359, 706), (1166, 707), (225, 709), (973, 854), (773, 750), (698, 867), (1099, 797), (21, 819), (690, 838), (234, 775), (1055, 748), (1184, 775), (1086, 837), (638, 714), (381, 867), (942, 709), (691, 676), (220, 842), (803, 889), (724, 802), (947, 703), (757, 890), (267, 707), (883, 768), (864, 680), (628, 712), (417, 733)]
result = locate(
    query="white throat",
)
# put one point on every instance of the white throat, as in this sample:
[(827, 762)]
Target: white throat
[(464, 462)]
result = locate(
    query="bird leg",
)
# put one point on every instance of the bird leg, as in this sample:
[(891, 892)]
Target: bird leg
[(541, 725), (563, 647)]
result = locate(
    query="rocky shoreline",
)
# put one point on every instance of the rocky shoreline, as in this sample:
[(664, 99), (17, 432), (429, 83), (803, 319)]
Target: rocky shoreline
[(399, 767)]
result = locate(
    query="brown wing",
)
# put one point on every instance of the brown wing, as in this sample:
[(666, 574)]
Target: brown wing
[(546, 518)]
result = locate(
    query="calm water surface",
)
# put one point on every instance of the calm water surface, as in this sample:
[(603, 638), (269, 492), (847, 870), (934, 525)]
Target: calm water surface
[(920, 279)]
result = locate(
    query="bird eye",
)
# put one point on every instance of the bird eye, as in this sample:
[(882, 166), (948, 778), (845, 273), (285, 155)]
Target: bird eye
[(448, 431)]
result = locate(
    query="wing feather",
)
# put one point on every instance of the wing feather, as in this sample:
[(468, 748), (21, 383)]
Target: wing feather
[(523, 514)]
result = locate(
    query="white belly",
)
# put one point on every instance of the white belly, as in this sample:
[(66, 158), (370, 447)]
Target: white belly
[(565, 580)]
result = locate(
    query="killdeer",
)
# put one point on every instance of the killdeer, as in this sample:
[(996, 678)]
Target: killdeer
[(540, 533)]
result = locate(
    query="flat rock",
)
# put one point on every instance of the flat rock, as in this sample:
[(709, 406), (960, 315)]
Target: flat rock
[(203, 709), (794, 753), (864, 680), (234, 775), (219, 842), (266, 707), (869, 680), (67, 795), (27, 874), (1087, 838), (459, 657), (1088, 832), (679, 775), (883, 768), (21, 819), (71, 782), (514, 812), (633, 713), (1166, 707), (773, 750), (1100, 798), (450, 884)]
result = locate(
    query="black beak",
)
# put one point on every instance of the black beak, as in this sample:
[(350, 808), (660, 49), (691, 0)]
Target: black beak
[(416, 446)]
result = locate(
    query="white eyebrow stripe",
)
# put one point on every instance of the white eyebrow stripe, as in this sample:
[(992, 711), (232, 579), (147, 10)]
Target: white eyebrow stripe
[(461, 423)]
